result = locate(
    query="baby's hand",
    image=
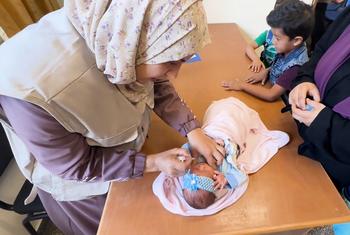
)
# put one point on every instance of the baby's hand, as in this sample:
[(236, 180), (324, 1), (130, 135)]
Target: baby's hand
[(219, 180)]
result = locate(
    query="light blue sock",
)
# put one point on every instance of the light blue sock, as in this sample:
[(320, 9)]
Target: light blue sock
[(341, 229)]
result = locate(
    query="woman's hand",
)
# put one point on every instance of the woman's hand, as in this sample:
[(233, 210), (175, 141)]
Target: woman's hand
[(173, 162), (256, 66), (297, 96), (212, 151), (307, 116), (219, 180)]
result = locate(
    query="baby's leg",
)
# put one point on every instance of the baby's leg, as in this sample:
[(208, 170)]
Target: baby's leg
[(168, 186)]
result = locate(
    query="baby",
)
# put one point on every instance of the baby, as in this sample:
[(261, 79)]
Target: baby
[(202, 182)]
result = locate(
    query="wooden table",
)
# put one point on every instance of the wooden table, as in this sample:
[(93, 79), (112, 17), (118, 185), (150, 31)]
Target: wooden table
[(290, 192)]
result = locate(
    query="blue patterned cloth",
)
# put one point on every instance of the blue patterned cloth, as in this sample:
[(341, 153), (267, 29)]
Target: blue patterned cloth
[(234, 176), (194, 182)]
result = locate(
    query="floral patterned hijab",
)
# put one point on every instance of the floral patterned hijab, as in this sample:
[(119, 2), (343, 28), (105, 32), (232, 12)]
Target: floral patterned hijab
[(125, 33)]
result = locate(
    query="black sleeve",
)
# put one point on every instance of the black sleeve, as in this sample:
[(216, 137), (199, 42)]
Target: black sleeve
[(331, 131)]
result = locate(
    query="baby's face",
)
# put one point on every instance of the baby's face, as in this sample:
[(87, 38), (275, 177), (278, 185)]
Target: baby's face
[(203, 169)]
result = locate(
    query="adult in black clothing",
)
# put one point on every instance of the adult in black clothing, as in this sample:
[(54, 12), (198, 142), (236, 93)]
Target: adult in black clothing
[(326, 80), (325, 14)]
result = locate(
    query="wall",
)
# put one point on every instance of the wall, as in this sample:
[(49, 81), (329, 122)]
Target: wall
[(249, 15)]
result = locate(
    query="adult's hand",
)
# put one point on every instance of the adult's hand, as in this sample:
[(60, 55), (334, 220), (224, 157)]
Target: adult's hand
[(212, 151), (173, 162), (297, 96), (307, 116)]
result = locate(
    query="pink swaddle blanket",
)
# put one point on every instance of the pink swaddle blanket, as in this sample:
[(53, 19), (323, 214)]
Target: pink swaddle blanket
[(226, 119)]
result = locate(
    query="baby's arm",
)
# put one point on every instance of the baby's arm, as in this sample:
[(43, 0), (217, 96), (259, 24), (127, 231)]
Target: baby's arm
[(219, 180)]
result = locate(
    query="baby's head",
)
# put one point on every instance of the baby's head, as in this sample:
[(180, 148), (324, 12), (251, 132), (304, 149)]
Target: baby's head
[(199, 186)]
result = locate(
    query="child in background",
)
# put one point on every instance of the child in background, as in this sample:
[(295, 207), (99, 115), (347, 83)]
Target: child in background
[(291, 24), (267, 55)]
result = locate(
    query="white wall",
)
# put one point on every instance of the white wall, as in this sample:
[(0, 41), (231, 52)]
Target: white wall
[(250, 15)]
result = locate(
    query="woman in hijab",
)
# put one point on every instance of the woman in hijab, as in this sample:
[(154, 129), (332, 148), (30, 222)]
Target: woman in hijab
[(324, 84), (76, 91)]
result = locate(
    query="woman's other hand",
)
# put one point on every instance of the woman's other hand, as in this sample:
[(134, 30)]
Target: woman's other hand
[(308, 115), (297, 96), (173, 162), (212, 151)]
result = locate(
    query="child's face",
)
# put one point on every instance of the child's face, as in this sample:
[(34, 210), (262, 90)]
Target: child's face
[(282, 42), (203, 169)]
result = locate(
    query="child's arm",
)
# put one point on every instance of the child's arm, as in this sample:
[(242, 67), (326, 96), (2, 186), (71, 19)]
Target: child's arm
[(256, 64), (258, 77), (268, 94)]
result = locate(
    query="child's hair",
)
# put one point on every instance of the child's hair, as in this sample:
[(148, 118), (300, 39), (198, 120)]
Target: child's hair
[(199, 199), (294, 17), (279, 2)]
